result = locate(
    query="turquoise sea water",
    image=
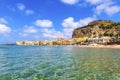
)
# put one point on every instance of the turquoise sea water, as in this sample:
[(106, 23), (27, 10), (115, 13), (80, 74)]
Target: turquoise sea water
[(58, 63)]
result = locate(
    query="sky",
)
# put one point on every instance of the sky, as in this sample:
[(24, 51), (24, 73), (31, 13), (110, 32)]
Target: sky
[(51, 19)]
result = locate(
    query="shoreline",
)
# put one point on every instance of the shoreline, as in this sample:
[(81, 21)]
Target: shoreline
[(99, 46), (115, 46)]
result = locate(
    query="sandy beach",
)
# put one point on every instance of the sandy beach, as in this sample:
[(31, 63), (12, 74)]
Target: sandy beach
[(99, 46)]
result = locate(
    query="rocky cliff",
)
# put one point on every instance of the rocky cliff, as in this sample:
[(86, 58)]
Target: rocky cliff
[(97, 29)]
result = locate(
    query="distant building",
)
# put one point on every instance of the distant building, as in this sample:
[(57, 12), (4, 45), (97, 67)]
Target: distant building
[(99, 40)]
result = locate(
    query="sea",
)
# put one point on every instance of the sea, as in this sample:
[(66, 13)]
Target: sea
[(58, 63)]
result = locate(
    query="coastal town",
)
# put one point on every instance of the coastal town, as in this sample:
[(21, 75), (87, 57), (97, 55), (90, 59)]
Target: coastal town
[(100, 32), (72, 41)]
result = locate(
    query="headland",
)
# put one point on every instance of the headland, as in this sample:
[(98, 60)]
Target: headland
[(100, 33)]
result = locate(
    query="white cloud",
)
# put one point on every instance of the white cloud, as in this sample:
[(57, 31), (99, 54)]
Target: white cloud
[(112, 10), (4, 29), (108, 8), (29, 12), (21, 6), (51, 33), (28, 30), (94, 1), (3, 21), (71, 2), (23, 34), (47, 32), (68, 32), (85, 21), (69, 24), (43, 23)]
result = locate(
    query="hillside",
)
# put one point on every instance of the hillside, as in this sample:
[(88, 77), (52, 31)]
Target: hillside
[(97, 29)]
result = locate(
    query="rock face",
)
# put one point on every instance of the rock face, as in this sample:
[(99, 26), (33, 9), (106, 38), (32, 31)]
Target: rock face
[(98, 28)]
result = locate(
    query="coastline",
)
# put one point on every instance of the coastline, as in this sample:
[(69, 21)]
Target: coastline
[(115, 46), (99, 46)]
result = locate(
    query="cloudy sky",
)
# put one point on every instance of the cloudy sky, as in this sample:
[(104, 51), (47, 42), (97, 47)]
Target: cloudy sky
[(50, 19)]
